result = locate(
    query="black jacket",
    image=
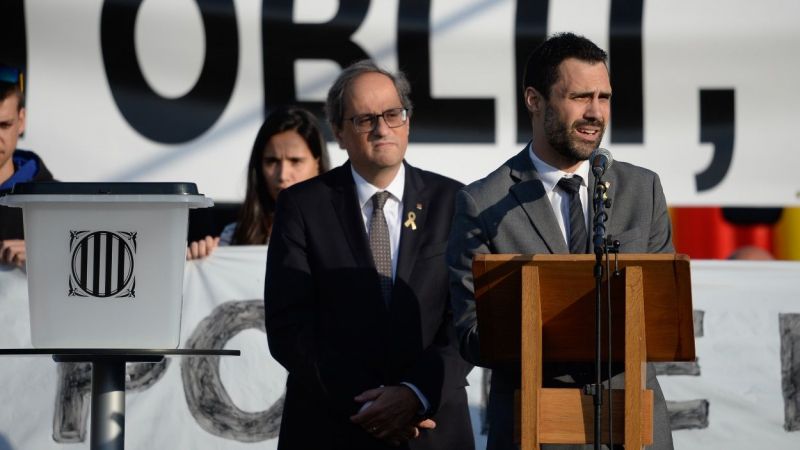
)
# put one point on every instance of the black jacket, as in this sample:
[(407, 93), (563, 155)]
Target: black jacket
[(328, 325)]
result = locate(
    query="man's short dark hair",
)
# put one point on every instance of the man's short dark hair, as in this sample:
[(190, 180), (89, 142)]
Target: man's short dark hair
[(8, 88), (334, 106), (541, 70)]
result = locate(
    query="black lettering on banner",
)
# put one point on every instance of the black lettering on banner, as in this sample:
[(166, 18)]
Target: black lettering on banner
[(73, 395), (678, 368), (688, 414), (72, 402), (14, 48), (531, 30), (167, 120), (206, 397), (436, 119), (285, 42), (626, 68), (790, 369), (717, 127), (140, 376)]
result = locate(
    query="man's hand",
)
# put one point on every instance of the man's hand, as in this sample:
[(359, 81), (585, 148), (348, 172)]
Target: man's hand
[(12, 251), (391, 414), (427, 424), (202, 248)]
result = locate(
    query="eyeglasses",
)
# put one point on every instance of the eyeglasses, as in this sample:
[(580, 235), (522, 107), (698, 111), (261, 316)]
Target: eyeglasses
[(12, 75), (366, 123)]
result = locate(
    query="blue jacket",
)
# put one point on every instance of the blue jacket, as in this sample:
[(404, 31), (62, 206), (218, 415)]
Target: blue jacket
[(27, 167)]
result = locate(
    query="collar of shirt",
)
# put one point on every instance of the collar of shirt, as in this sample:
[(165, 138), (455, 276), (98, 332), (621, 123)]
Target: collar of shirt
[(559, 202), (391, 210), (365, 190), (550, 175)]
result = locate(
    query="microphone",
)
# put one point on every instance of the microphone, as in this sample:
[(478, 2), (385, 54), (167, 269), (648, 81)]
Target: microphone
[(601, 160)]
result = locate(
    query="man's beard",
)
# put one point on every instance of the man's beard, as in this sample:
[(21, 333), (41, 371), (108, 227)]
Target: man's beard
[(559, 138)]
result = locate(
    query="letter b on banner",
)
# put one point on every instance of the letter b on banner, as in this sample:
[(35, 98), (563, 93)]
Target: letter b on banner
[(285, 42), (435, 119)]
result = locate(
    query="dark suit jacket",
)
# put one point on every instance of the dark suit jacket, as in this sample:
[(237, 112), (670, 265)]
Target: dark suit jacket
[(328, 326), (508, 212)]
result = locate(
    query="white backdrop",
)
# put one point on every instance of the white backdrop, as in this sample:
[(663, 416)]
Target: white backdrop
[(739, 357), (687, 45)]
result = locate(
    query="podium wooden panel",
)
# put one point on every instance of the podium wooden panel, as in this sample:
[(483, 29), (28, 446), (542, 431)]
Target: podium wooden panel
[(552, 299)]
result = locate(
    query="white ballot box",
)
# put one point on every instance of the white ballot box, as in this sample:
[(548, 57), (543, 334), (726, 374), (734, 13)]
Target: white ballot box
[(105, 261)]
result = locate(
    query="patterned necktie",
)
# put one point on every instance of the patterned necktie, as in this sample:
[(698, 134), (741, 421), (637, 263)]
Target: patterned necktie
[(578, 237), (380, 245)]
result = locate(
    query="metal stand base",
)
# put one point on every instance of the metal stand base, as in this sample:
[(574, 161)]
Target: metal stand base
[(108, 405)]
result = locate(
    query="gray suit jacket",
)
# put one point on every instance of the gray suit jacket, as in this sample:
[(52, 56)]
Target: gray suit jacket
[(508, 212)]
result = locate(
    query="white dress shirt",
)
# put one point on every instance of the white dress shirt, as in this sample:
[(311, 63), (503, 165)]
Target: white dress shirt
[(559, 200)]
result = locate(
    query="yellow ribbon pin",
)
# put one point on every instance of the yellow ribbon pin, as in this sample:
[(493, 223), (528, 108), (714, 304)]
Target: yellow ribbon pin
[(410, 222)]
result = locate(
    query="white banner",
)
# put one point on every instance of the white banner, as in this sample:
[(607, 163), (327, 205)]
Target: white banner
[(739, 355), (709, 99)]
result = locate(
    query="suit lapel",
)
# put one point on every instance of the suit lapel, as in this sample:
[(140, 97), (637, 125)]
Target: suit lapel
[(416, 204), (529, 192), (345, 203)]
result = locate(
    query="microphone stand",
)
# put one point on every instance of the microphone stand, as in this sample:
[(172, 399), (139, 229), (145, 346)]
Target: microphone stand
[(601, 249)]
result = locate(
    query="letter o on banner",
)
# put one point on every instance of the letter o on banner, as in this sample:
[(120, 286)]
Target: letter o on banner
[(166, 120), (207, 398)]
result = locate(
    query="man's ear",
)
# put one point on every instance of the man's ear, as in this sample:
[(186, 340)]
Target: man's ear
[(337, 133), (21, 121), (534, 101)]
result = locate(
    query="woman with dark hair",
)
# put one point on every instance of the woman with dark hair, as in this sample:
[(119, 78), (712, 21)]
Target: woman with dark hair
[(289, 148)]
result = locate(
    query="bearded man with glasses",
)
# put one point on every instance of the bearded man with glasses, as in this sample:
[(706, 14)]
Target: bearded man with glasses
[(356, 295)]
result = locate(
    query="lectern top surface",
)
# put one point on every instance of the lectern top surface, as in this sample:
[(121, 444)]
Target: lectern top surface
[(104, 188)]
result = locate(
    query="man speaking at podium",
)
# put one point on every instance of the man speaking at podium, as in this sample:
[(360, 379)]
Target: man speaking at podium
[(356, 295), (538, 202)]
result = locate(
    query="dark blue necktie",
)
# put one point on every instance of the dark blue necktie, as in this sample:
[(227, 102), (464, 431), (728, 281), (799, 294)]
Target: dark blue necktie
[(578, 237)]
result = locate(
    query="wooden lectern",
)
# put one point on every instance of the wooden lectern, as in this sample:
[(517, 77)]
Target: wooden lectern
[(552, 299)]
